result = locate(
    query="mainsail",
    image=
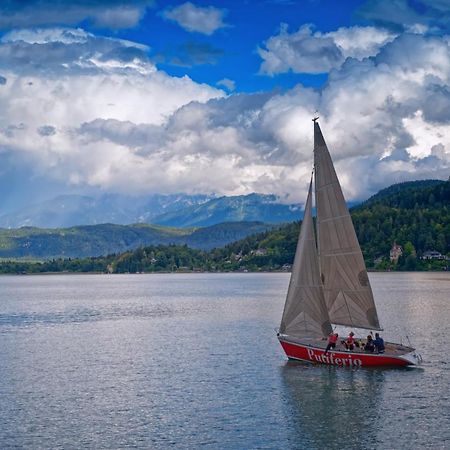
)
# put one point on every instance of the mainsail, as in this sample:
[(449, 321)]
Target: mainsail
[(305, 313), (347, 290)]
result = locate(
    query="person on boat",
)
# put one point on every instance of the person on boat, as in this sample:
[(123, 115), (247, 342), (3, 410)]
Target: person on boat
[(332, 339), (369, 346), (378, 343), (350, 342)]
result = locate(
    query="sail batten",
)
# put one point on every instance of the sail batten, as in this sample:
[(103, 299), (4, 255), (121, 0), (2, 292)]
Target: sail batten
[(347, 291), (305, 313)]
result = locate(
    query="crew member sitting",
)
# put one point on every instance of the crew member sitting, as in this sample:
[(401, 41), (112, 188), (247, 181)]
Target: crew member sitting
[(378, 343), (350, 342), (332, 339), (369, 347)]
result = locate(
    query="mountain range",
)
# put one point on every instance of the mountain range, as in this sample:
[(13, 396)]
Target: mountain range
[(415, 215), (178, 210)]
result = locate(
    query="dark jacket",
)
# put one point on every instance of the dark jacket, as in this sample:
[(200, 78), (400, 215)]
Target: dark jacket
[(379, 344)]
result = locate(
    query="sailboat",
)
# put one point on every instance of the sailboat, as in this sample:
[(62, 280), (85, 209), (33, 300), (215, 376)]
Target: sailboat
[(329, 283)]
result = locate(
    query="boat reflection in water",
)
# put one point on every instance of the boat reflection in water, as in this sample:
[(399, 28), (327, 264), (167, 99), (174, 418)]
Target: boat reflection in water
[(332, 408)]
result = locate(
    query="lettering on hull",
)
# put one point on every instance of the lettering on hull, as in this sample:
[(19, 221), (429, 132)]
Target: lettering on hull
[(342, 359), (331, 359)]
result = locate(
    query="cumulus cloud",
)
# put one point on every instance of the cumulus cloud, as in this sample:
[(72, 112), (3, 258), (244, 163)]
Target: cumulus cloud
[(69, 77), (121, 125), (113, 14), (192, 18), (305, 51)]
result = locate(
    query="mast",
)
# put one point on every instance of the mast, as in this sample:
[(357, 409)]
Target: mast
[(348, 295), (305, 313)]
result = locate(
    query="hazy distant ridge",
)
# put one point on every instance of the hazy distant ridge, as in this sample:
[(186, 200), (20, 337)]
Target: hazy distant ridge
[(178, 210)]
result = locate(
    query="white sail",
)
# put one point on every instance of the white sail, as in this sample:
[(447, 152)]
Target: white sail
[(305, 313), (347, 290)]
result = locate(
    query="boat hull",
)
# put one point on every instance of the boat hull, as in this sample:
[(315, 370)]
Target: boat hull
[(317, 355)]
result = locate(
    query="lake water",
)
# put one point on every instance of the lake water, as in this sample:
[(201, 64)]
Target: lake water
[(192, 361)]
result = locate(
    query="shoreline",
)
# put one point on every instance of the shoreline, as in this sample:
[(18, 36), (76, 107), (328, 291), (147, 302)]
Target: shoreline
[(188, 272)]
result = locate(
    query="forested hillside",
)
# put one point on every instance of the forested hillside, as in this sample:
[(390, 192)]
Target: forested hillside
[(97, 240), (415, 215)]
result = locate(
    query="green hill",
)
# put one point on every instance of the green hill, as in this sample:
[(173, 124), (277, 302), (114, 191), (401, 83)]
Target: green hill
[(409, 194), (96, 240), (416, 215)]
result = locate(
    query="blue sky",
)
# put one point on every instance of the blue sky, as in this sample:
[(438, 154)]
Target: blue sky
[(231, 52), (140, 97)]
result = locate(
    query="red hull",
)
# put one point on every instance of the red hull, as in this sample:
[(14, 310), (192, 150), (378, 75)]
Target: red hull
[(345, 359)]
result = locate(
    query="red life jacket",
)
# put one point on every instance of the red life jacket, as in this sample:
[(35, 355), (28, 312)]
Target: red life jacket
[(333, 338)]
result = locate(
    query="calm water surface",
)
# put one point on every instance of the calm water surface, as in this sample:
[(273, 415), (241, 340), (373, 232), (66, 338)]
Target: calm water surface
[(192, 361)]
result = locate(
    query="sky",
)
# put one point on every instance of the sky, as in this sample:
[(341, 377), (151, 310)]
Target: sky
[(216, 97)]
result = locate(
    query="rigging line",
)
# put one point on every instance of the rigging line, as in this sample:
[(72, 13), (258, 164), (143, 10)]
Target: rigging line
[(356, 252), (328, 184), (335, 218)]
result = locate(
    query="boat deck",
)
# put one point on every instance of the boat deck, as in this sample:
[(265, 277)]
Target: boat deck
[(391, 348)]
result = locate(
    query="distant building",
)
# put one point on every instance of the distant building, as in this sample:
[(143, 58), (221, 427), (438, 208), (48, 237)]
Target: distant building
[(433, 254), (259, 252), (396, 252)]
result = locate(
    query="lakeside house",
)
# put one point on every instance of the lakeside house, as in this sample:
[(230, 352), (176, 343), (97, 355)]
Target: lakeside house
[(396, 252), (259, 252), (433, 254)]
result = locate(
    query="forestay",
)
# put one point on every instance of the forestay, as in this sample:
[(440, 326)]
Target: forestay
[(347, 290), (305, 313)]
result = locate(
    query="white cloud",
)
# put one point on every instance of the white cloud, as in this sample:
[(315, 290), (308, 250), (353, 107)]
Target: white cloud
[(359, 42), (306, 52), (192, 18), (70, 77), (53, 87), (98, 114)]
